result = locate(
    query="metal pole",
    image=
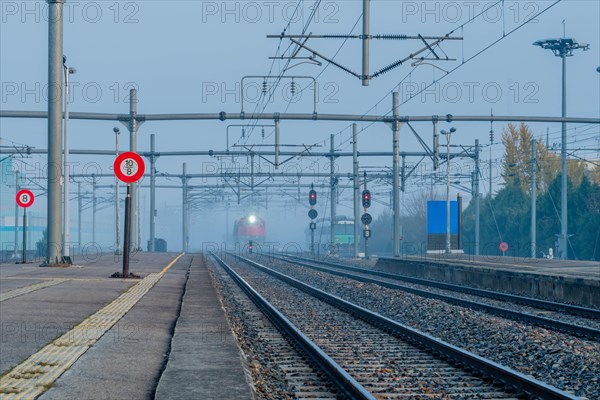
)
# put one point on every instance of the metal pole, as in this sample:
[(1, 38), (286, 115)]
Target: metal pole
[(436, 146), (152, 192), (302, 117), (94, 203), (139, 219), (24, 235), (533, 199), (67, 221), (276, 143), (356, 188), (252, 177), (403, 174), (133, 127), (117, 198), (366, 238), (184, 210), (29, 232), (564, 252), (55, 82), (115, 206), (448, 249), (396, 177), (365, 42), (127, 238), (476, 196), (17, 177), (227, 220), (312, 242), (459, 243), (332, 182), (80, 201), (490, 189)]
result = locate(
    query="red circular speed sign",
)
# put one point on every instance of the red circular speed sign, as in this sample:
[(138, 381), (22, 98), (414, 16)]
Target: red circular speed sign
[(503, 247), (129, 167), (25, 198)]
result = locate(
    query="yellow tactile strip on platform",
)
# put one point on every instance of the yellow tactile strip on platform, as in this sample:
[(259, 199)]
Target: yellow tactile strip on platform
[(35, 375), (30, 288)]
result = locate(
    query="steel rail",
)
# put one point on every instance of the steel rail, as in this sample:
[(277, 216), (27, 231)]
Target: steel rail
[(527, 301), (490, 368), (346, 383), (544, 322)]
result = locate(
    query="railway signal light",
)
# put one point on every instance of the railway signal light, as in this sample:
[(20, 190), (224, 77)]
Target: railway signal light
[(366, 219), (366, 198), (312, 197), (250, 246)]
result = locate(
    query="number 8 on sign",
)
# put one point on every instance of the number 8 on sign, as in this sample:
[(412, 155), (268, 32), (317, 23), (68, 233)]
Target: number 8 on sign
[(25, 198), (129, 167)]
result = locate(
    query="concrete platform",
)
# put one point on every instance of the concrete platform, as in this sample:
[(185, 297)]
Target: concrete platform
[(205, 360), (569, 281), (74, 333)]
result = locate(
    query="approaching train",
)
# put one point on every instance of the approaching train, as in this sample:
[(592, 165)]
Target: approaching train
[(249, 228)]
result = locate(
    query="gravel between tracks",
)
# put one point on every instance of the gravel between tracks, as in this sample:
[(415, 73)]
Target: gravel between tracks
[(563, 361), (563, 317), (386, 366), (370, 264), (278, 371)]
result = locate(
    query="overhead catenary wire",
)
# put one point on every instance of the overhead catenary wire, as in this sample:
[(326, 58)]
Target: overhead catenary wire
[(467, 60), (272, 89)]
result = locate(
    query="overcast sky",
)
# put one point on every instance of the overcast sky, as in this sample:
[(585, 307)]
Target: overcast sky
[(189, 56)]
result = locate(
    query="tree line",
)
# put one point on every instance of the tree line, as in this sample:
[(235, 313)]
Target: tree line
[(506, 215)]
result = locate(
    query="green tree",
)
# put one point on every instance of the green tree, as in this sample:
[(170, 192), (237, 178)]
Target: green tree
[(584, 221), (516, 162), (507, 216)]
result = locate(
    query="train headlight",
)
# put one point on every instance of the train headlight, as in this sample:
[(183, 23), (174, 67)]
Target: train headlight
[(252, 219)]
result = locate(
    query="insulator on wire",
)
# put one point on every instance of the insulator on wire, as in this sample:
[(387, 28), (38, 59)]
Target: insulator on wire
[(293, 88), (390, 37), (243, 132), (265, 87), (263, 132), (335, 36)]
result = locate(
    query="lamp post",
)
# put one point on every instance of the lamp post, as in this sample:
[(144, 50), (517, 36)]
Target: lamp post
[(448, 134), (66, 219), (563, 48), (117, 198)]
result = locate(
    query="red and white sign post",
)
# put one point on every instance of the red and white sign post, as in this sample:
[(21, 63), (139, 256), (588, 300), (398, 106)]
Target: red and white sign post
[(503, 248), (25, 200), (129, 168)]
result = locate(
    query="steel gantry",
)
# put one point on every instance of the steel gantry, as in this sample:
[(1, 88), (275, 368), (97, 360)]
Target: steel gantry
[(134, 119)]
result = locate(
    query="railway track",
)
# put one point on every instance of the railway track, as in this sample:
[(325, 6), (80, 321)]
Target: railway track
[(527, 301), (586, 325), (344, 383), (385, 358)]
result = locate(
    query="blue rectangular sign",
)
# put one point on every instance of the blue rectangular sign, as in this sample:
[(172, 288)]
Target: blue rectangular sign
[(436, 217)]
